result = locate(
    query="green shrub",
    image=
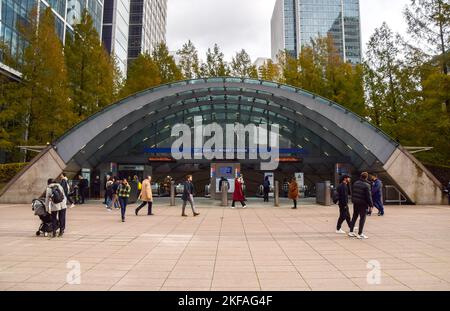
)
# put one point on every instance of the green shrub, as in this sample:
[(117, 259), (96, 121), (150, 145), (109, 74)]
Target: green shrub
[(8, 171)]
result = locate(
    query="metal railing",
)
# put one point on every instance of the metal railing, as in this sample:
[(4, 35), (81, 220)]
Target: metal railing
[(393, 195)]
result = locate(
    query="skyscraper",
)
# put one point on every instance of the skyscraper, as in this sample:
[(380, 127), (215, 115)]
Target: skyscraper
[(67, 13), (116, 18), (296, 22), (148, 19)]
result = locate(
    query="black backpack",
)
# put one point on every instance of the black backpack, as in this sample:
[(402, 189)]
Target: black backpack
[(335, 196), (57, 196)]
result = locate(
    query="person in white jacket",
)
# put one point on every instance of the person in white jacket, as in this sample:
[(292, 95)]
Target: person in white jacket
[(57, 210)]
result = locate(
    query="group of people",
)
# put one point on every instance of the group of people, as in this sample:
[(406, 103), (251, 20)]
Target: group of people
[(366, 194), (291, 189)]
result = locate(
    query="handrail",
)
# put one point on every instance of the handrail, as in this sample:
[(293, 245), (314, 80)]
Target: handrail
[(401, 197)]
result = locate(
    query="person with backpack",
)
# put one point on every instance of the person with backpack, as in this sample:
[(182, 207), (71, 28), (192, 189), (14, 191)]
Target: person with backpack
[(56, 205), (342, 200), (362, 201), (123, 194)]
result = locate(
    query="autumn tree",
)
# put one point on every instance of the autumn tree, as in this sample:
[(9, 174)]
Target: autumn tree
[(241, 66), (269, 71), (215, 65), (143, 73), (189, 61), (92, 73), (167, 67)]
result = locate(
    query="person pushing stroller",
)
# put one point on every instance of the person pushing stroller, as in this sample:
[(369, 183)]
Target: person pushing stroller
[(56, 205)]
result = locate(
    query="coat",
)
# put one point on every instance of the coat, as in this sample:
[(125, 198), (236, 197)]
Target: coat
[(343, 194), (293, 190), (188, 191), (146, 191), (49, 205), (238, 194), (361, 194)]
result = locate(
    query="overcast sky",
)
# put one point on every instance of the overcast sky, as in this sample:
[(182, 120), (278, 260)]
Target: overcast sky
[(237, 24)]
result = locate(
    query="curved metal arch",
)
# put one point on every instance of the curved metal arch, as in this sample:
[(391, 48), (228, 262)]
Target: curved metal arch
[(133, 143), (110, 148), (354, 126), (334, 140)]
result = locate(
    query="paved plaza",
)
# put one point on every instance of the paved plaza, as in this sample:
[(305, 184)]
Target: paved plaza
[(259, 248)]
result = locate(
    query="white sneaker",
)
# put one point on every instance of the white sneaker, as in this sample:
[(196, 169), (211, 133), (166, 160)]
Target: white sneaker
[(233, 207), (109, 210), (72, 206), (245, 206), (352, 235), (362, 237), (340, 231)]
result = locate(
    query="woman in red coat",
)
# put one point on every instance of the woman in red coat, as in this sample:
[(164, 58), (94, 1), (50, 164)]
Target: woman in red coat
[(238, 194)]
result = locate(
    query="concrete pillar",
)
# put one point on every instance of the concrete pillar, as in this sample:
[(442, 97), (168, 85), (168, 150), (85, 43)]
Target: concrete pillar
[(172, 193), (277, 193), (224, 194)]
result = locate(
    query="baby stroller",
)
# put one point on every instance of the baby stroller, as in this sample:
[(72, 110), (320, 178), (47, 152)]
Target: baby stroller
[(38, 206)]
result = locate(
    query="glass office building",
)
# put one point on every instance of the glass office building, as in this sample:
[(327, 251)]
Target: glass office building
[(67, 13), (148, 19), (296, 22), (116, 19)]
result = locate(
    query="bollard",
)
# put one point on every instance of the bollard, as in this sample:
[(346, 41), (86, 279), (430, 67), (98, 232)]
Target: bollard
[(225, 194), (277, 193), (172, 193)]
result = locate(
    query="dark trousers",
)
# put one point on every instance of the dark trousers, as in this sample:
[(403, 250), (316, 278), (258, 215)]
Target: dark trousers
[(378, 203), (123, 206), (344, 215), (82, 195), (242, 203), (295, 203), (61, 216), (361, 212), (150, 204), (266, 196), (69, 199)]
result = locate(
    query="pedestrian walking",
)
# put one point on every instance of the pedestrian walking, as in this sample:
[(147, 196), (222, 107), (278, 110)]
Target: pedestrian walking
[(293, 191), (362, 201), (109, 194), (146, 196), (344, 212), (266, 188), (115, 202), (238, 194), (56, 205), (377, 194), (448, 192), (188, 196), (123, 194)]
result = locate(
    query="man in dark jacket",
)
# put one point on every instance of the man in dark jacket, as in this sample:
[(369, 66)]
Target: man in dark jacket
[(377, 194), (362, 200), (188, 196), (84, 188), (344, 213)]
